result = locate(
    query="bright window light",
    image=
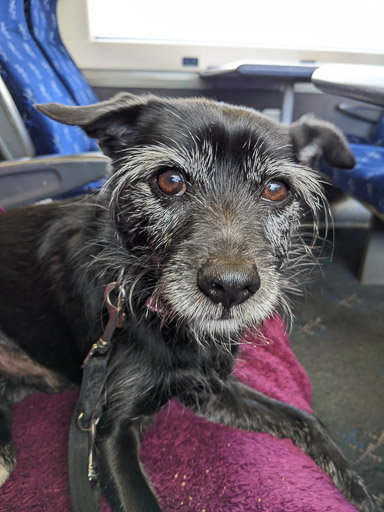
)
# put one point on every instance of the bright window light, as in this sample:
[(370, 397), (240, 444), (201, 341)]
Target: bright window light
[(328, 25)]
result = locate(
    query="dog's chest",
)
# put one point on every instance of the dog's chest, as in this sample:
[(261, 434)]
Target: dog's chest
[(148, 378)]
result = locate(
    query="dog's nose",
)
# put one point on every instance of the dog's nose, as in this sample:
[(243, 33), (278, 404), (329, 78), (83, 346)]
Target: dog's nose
[(228, 285)]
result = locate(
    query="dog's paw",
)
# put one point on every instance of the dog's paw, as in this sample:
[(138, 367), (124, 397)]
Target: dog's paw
[(7, 462), (359, 495)]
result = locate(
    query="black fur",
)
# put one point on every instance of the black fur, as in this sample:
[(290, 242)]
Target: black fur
[(56, 259)]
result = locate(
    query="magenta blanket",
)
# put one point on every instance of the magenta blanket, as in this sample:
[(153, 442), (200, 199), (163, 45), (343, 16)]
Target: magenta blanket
[(195, 465)]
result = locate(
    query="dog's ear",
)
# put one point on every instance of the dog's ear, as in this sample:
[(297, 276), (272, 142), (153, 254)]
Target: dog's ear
[(313, 138), (111, 122)]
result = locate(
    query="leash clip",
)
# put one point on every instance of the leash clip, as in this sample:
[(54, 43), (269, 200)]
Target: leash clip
[(92, 467), (116, 318)]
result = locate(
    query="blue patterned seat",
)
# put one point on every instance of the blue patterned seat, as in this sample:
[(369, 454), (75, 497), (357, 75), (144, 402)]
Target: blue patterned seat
[(363, 83), (366, 180), (377, 135), (30, 79), (26, 68), (376, 138), (42, 22)]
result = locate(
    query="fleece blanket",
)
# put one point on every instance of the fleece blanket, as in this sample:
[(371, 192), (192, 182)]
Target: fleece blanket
[(195, 465)]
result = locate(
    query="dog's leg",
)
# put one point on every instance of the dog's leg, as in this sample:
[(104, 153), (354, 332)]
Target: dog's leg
[(242, 407), (9, 394), (20, 377), (7, 452), (123, 477)]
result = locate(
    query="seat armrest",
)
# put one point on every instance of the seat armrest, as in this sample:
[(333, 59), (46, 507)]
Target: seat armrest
[(363, 83), (29, 180), (15, 141)]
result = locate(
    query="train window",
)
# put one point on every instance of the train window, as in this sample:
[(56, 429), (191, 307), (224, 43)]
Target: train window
[(329, 24), (177, 36)]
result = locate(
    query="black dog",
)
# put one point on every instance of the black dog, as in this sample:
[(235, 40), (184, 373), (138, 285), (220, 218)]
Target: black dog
[(201, 218)]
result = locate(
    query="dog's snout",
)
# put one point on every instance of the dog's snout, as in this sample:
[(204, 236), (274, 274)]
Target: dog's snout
[(228, 285)]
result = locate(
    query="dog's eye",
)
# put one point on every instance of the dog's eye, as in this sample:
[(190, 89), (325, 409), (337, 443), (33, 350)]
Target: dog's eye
[(171, 182), (275, 191)]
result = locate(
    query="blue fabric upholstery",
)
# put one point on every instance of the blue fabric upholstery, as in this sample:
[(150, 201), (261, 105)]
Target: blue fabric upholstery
[(42, 22), (30, 79), (366, 181), (377, 135)]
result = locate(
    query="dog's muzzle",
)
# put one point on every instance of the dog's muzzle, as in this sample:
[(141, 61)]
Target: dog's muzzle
[(228, 284)]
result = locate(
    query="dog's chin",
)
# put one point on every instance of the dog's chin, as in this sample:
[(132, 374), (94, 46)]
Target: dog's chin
[(223, 328), (210, 320)]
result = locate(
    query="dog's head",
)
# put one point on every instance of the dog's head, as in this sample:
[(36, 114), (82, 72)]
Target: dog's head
[(206, 199)]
